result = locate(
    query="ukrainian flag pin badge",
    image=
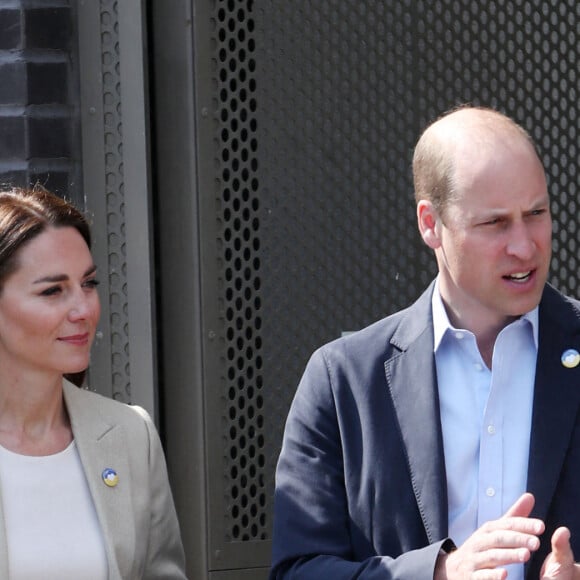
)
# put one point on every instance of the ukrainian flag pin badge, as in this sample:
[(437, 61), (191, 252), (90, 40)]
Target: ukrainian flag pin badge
[(110, 477), (570, 358)]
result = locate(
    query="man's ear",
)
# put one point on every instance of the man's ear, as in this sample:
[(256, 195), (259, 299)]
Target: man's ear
[(428, 222)]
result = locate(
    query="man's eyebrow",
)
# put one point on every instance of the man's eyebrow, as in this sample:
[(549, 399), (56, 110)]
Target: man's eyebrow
[(62, 277), (541, 202)]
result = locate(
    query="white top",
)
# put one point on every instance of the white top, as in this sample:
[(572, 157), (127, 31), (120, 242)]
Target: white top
[(486, 420), (51, 523)]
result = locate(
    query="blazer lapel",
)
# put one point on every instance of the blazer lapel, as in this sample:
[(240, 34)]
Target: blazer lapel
[(556, 398), (412, 382), (102, 445)]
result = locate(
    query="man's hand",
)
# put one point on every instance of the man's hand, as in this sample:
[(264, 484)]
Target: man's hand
[(509, 540), (559, 564)]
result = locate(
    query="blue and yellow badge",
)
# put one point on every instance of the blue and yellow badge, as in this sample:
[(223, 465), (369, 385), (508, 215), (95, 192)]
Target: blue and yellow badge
[(110, 477), (570, 358)]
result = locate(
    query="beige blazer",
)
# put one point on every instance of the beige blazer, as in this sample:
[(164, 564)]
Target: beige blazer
[(137, 515)]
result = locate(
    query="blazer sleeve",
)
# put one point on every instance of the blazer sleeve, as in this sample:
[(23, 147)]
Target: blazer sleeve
[(313, 525), (165, 556)]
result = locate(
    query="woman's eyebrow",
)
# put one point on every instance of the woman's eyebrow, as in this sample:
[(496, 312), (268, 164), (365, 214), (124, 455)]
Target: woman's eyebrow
[(62, 277)]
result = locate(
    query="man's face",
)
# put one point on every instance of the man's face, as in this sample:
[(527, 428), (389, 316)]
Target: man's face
[(495, 238)]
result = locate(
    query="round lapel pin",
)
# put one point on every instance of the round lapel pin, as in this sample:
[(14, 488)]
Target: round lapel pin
[(570, 358), (110, 477)]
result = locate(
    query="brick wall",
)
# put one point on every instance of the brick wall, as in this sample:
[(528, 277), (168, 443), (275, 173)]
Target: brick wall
[(39, 126)]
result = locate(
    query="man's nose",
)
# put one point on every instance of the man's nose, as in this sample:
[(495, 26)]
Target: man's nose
[(521, 242)]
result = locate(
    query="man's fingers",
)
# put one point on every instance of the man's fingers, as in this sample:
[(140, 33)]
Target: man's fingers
[(522, 506), (509, 540), (487, 565), (499, 557), (505, 538), (560, 562), (517, 517), (561, 542), (489, 575), (515, 524)]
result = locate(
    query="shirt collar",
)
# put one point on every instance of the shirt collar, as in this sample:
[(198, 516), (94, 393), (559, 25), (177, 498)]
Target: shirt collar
[(441, 322)]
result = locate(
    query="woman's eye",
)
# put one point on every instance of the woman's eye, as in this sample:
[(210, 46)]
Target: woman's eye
[(92, 283), (52, 291)]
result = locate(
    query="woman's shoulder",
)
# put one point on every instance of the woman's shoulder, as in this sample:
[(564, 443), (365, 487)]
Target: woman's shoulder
[(109, 409)]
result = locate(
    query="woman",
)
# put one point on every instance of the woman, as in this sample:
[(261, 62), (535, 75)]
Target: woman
[(84, 492)]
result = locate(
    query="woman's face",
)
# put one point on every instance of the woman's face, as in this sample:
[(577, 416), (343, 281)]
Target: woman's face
[(49, 307)]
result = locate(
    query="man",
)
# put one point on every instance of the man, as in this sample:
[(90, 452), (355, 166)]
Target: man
[(444, 441)]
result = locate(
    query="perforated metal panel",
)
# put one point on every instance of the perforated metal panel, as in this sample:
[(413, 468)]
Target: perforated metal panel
[(307, 113), (114, 120), (115, 202), (240, 238), (345, 87)]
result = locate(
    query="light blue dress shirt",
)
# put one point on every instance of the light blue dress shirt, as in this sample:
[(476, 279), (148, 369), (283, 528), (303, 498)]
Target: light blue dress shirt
[(486, 419)]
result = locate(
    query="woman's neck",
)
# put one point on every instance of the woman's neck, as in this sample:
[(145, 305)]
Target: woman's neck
[(33, 417)]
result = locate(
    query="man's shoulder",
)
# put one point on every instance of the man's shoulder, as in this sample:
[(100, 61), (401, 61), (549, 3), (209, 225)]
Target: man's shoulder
[(553, 298), (559, 314), (378, 338)]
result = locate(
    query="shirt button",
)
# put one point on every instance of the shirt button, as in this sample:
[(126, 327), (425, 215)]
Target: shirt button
[(478, 366), (490, 492), (459, 335), (491, 429)]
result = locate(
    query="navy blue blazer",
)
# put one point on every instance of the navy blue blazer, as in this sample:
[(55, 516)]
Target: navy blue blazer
[(360, 483)]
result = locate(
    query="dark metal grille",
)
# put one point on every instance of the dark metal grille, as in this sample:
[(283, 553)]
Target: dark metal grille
[(240, 243), (318, 107)]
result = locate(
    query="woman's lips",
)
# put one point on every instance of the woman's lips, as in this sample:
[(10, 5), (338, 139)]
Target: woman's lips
[(79, 339)]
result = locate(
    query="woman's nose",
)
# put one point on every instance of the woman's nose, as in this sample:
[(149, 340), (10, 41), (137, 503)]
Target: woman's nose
[(81, 306)]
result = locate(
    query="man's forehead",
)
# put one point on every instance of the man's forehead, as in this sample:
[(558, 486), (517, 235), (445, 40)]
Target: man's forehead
[(498, 204)]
